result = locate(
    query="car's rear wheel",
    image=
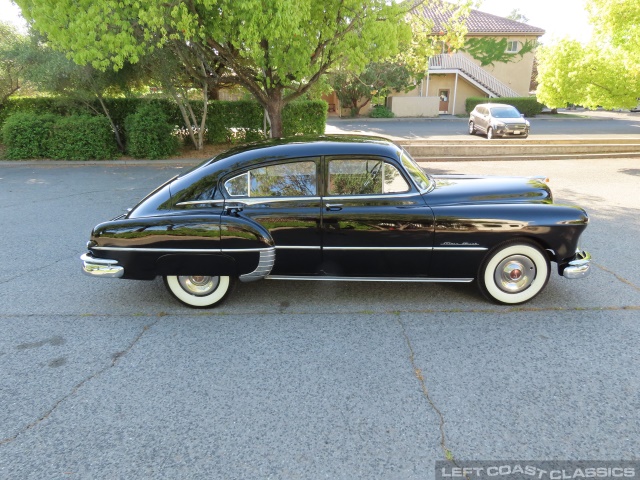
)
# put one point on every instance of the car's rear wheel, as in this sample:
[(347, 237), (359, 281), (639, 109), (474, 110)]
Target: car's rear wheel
[(514, 272), (472, 128), (489, 133), (199, 291)]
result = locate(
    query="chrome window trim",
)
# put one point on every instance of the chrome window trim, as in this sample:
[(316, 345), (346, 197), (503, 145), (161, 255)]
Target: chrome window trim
[(381, 196), (298, 247), (248, 201)]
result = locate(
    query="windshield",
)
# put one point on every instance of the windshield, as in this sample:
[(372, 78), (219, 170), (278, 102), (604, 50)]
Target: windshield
[(420, 178), (505, 112)]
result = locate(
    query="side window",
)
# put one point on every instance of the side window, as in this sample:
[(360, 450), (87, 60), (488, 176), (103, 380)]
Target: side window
[(364, 177), (512, 46), (296, 179)]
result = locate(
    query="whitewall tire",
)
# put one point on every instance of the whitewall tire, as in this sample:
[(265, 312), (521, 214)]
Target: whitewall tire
[(514, 273), (490, 133), (199, 291)]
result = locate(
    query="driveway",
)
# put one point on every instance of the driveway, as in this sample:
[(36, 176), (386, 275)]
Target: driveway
[(105, 379)]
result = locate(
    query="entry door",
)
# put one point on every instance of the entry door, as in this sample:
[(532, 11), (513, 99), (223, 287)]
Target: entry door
[(444, 101), (374, 223), (284, 199)]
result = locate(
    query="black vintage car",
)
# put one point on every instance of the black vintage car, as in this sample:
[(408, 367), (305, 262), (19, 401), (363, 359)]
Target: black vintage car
[(339, 208)]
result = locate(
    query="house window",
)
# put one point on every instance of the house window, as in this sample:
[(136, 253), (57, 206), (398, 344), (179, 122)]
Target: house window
[(512, 47)]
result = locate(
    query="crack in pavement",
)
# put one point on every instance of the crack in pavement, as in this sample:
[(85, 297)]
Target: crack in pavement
[(425, 392), (622, 279), (43, 267), (114, 360)]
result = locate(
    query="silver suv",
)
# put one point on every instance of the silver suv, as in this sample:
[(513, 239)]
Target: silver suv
[(498, 120)]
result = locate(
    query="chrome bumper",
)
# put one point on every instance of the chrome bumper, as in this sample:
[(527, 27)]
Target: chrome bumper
[(579, 267), (101, 267)]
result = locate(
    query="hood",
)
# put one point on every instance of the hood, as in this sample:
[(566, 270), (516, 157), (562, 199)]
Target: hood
[(473, 189)]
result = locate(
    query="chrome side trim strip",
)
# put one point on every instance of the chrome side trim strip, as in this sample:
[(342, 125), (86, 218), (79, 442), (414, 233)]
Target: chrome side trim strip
[(468, 249), (267, 259), (378, 248), (284, 247), (184, 250), (328, 278), (168, 250)]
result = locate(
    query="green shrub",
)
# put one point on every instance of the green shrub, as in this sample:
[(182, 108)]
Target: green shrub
[(304, 117), (149, 133), (26, 135), (234, 121), (381, 112), (82, 137), (527, 105)]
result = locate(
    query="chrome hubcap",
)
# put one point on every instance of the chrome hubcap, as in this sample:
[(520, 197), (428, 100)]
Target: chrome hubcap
[(198, 285), (515, 274)]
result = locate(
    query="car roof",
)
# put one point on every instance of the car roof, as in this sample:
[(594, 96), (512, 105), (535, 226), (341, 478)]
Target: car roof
[(491, 105), (302, 146)]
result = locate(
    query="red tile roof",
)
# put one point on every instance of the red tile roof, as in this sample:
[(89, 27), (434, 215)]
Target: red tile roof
[(480, 23)]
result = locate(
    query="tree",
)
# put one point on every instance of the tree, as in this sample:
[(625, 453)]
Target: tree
[(606, 71), (276, 49), (378, 79), (518, 16), (12, 61), (52, 72)]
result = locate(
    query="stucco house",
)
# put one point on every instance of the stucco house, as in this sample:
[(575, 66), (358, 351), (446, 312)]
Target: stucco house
[(453, 77)]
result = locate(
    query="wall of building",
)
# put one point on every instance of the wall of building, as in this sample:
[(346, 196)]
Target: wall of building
[(517, 74), (412, 106)]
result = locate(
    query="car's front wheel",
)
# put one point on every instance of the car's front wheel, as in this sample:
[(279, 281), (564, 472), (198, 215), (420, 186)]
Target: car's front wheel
[(472, 128), (514, 272), (489, 133), (199, 291)]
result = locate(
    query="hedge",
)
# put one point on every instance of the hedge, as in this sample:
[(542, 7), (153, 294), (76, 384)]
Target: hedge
[(82, 137), (226, 121), (149, 133), (26, 135), (527, 105), (76, 137), (304, 117)]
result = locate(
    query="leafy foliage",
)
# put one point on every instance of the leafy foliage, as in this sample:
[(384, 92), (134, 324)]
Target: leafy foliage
[(76, 137), (381, 112), (606, 71), (13, 62), (276, 49), (308, 118), (82, 137), (529, 106), (378, 79), (149, 133), (489, 51), (27, 135)]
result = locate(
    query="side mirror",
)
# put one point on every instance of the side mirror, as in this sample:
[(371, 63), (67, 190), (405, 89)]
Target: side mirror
[(522, 115)]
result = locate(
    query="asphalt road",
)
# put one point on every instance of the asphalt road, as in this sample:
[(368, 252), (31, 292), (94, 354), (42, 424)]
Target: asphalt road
[(105, 379), (598, 125)]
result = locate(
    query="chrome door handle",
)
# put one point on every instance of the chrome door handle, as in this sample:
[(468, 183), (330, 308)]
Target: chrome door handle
[(333, 206)]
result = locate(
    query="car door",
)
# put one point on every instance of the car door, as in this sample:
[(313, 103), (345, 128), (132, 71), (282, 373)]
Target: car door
[(481, 119), (283, 198), (374, 221)]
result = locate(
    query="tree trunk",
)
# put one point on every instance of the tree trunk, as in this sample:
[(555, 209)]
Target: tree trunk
[(274, 107), (114, 127)]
